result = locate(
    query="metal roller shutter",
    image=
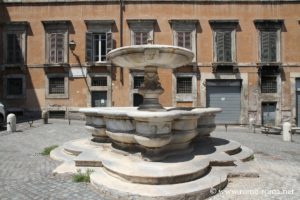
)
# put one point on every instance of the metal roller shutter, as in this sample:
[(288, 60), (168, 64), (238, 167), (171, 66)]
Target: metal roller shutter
[(225, 94)]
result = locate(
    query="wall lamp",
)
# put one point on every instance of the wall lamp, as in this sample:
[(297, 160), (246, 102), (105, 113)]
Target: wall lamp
[(72, 45)]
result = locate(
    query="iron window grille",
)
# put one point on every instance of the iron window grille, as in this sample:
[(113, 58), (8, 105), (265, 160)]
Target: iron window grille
[(14, 86), (184, 84), (268, 84), (56, 85), (99, 81), (138, 81)]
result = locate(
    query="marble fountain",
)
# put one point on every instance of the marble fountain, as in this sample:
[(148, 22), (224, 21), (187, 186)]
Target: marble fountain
[(152, 152)]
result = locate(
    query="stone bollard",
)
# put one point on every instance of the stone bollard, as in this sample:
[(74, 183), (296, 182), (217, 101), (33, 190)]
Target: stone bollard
[(287, 133), (11, 123), (45, 116), (251, 125)]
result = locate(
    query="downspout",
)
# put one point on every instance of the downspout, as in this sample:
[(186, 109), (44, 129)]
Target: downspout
[(122, 8)]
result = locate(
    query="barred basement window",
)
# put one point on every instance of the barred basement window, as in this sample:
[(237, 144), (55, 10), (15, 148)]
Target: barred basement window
[(99, 81), (138, 81), (184, 84), (14, 86), (268, 84), (56, 85)]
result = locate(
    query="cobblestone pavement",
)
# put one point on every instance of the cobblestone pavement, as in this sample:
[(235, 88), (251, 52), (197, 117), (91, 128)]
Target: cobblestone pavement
[(25, 174)]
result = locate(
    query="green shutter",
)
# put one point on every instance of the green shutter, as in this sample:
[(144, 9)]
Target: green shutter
[(89, 47)]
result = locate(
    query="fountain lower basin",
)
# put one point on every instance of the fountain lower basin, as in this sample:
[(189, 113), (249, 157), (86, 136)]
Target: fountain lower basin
[(156, 135)]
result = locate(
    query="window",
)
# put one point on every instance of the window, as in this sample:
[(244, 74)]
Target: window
[(184, 84), (56, 41), (99, 40), (224, 40), (138, 81), (268, 84), (141, 31), (268, 47), (14, 41), (184, 34), (184, 39), (56, 85), (269, 39), (14, 86), (99, 81)]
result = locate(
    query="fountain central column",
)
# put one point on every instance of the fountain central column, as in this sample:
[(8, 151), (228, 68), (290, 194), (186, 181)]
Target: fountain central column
[(151, 89)]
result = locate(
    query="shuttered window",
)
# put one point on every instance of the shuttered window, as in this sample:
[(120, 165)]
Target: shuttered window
[(184, 39), (14, 86), (97, 46), (14, 48), (57, 85), (56, 47), (140, 38), (268, 45), (223, 46)]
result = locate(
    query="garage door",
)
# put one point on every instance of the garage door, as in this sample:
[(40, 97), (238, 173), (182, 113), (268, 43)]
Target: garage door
[(225, 94)]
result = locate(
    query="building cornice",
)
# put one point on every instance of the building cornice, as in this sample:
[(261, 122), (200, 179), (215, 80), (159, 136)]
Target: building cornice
[(149, 1)]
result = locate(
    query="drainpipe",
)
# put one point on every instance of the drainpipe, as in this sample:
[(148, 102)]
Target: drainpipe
[(122, 8)]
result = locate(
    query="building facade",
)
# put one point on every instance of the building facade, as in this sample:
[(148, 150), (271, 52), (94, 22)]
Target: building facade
[(247, 55)]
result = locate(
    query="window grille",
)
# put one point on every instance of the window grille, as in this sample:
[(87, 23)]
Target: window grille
[(268, 84), (184, 84), (56, 85), (138, 81), (14, 86), (99, 81)]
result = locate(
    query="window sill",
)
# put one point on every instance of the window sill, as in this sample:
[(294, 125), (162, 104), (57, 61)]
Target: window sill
[(260, 64), (57, 96), (56, 65), (98, 64), (15, 65), (16, 97), (224, 64)]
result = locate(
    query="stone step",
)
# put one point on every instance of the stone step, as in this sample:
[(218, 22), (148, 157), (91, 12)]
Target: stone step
[(60, 155), (75, 147), (221, 159), (133, 169), (115, 188), (246, 154)]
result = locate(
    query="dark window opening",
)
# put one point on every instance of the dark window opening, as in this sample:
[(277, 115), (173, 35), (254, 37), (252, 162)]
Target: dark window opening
[(57, 114), (97, 46), (138, 81), (14, 48), (268, 84), (99, 81), (14, 86), (99, 98), (57, 85), (137, 99), (184, 84), (268, 113)]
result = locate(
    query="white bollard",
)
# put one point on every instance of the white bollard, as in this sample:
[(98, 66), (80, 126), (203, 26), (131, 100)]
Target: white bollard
[(287, 133), (11, 123), (251, 125)]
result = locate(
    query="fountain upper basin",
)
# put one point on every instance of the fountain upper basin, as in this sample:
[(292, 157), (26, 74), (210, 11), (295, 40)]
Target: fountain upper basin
[(140, 56)]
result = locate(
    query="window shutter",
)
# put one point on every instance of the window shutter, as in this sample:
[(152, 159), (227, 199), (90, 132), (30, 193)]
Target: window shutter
[(188, 38), (18, 48), (52, 48), (89, 47), (10, 48), (264, 46), (272, 44), (109, 42), (60, 47), (220, 46), (180, 39), (227, 46)]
